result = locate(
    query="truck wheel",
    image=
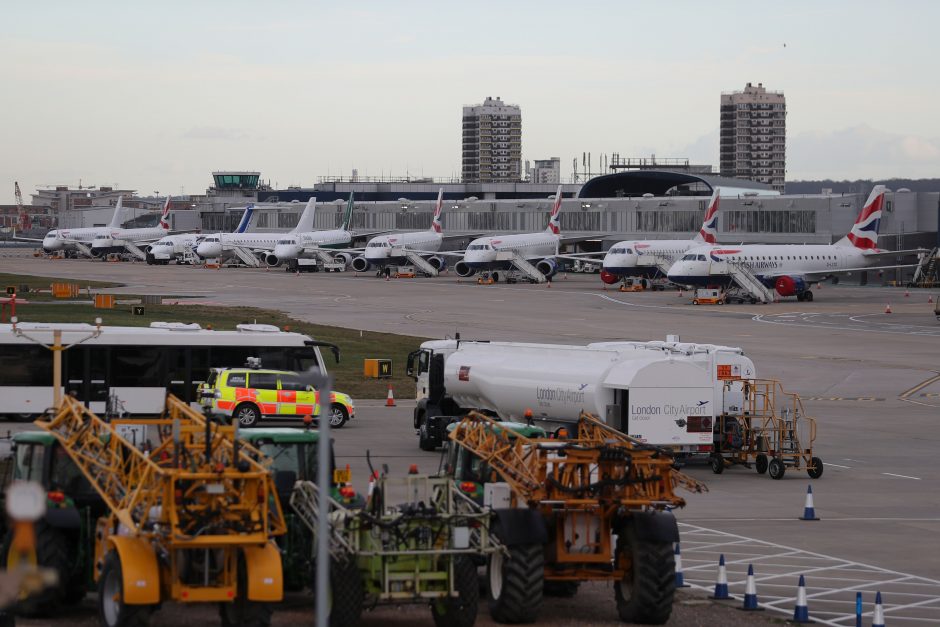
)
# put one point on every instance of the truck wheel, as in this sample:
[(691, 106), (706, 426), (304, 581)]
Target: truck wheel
[(776, 468), (462, 611), (516, 583), (817, 470), (718, 464), (760, 462), (247, 415), (241, 612), (338, 416), (347, 594), (561, 589), (645, 593), (425, 441), (52, 551), (112, 611)]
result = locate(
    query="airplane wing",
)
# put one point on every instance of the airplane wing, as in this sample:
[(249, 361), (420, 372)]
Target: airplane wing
[(27, 239), (583, 258), (449, 253), (897, 253), (574, 239), (819, 275)]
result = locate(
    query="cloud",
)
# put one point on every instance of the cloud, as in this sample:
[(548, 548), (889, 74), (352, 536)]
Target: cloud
[(215, 133)]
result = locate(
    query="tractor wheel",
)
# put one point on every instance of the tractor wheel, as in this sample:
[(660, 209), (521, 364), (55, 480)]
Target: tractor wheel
[(817, 470), (347, 594), (718, 464), (776, 468), (241, 612), (112, 611), (561, 589), (645, 593), (52, 551), (516, 584), (247, 415), (425, 441), (460, 611), (760, 462)]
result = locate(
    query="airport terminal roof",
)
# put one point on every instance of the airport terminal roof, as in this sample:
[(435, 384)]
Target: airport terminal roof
[(668, 183)]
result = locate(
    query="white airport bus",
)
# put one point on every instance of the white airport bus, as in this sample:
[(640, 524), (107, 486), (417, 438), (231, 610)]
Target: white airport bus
[(135, 367)]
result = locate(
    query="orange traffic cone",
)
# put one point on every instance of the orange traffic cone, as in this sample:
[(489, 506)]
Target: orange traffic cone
[(390, 401), (680, 292), (548, 285), (888, 308), (907, 293), (929, 299)]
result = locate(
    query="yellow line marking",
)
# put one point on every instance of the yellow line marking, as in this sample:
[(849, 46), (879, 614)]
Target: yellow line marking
[(920, 386)]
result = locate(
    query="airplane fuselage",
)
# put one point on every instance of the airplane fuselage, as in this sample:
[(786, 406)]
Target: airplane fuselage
[(113, 240), (482, 252), (383, 249), (294, 246), (623, 258)]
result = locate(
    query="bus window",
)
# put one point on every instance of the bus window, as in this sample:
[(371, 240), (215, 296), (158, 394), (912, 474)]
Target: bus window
[(138, 366), (25, 365)]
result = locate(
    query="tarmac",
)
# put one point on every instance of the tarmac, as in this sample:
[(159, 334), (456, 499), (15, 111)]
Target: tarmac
[(869, 378)]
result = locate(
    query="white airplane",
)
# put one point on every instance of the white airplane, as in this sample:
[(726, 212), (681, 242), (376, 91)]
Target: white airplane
[(213, 246), (70, 240), (297, 244), (496, 252), (791, 269), (171, 247), (644, 258), (392, 249), (117, 240)]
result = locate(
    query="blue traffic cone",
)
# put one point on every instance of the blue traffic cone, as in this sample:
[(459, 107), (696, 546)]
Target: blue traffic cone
[(809, 512), (680, 581), (801, 611), (750, 592), (878, 619), (721, 586)]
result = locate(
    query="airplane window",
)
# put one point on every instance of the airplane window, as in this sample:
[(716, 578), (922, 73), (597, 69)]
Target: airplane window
[(701, 257), (629, 251)]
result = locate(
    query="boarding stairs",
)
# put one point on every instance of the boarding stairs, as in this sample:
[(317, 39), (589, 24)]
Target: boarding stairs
[(926, 274), (135, 250), (416, 260), (246, 256), (189, 256), (748, 281), (522, 265), (83, 249), (320, 254), (661, 262)]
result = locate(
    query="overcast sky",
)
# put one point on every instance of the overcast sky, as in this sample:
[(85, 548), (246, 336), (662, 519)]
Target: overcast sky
[(155, 96)]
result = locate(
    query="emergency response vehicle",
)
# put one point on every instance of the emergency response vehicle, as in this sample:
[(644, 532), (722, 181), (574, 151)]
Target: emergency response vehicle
[(250, 394)]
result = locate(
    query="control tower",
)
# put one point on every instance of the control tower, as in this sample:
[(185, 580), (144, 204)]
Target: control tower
[(235, 181)]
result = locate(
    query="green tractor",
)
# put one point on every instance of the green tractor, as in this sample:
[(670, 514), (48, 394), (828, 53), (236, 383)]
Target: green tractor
[(64, 535)]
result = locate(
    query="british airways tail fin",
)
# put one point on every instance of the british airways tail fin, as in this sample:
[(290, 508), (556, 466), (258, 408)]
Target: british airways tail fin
[(436, 221), (709, 232), (864, 233), (305, 223), (554, 221), (347, 217), (246, 219), (117, 218), (164, 217)]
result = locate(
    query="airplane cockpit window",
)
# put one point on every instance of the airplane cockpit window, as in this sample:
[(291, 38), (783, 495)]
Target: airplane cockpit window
[(701, 258), (616, 251), (629, 251)]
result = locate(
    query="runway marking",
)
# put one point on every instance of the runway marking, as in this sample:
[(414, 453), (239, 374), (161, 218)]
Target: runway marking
[(920, 386), (837, 465), (859, 399), (891, 474), (832, 581)]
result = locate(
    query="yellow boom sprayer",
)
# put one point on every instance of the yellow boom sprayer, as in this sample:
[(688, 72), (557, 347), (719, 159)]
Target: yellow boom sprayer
[(190, 521)]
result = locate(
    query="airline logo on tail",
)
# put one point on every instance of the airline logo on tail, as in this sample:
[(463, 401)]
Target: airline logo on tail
[(709, 231), (436, 222), (164, 224), (554, 222), (246, 219), (864, 233)]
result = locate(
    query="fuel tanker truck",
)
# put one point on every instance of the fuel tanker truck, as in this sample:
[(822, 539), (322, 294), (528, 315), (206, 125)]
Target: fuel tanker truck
[(662, 393)]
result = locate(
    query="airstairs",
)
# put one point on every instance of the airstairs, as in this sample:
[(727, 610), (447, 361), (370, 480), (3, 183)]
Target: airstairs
[(135, 250), (522, 265), (416, 260), (246, 257), (926, 274), (660, 262), (83, 248), (747, 280)]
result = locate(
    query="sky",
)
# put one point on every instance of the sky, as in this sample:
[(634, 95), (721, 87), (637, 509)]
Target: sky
[(155, 96)]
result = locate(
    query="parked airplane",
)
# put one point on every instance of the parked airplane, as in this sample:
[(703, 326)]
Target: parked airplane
[(117, 240), (178, 246), (647, 258), (310, 243), (213, 246), (395, 248), (517, 252), (790, 269), (77, 240)]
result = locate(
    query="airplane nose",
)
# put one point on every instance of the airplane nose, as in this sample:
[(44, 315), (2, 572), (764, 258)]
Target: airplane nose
[(207, 251)]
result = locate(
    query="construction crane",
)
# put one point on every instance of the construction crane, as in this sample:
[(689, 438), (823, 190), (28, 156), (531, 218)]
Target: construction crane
[(25, 222), (191, 519)]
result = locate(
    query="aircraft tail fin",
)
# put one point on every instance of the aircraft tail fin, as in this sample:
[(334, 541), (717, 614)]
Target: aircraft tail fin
[(305, 223), (709, 232), (117, 218), (864, 233), (554, 221), (436, 221), (246, 219), (347, 217), (164, 222)]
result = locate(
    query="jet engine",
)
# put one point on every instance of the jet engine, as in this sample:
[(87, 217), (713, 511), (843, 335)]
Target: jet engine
[(343, 258), (439, 263), (788, 285), (609, 278), (360, 263), (463, 270), (272, 260), (548, 267)]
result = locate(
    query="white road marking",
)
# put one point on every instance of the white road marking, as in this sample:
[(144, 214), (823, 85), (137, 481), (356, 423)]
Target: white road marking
[(837, 465), (891, 474)]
